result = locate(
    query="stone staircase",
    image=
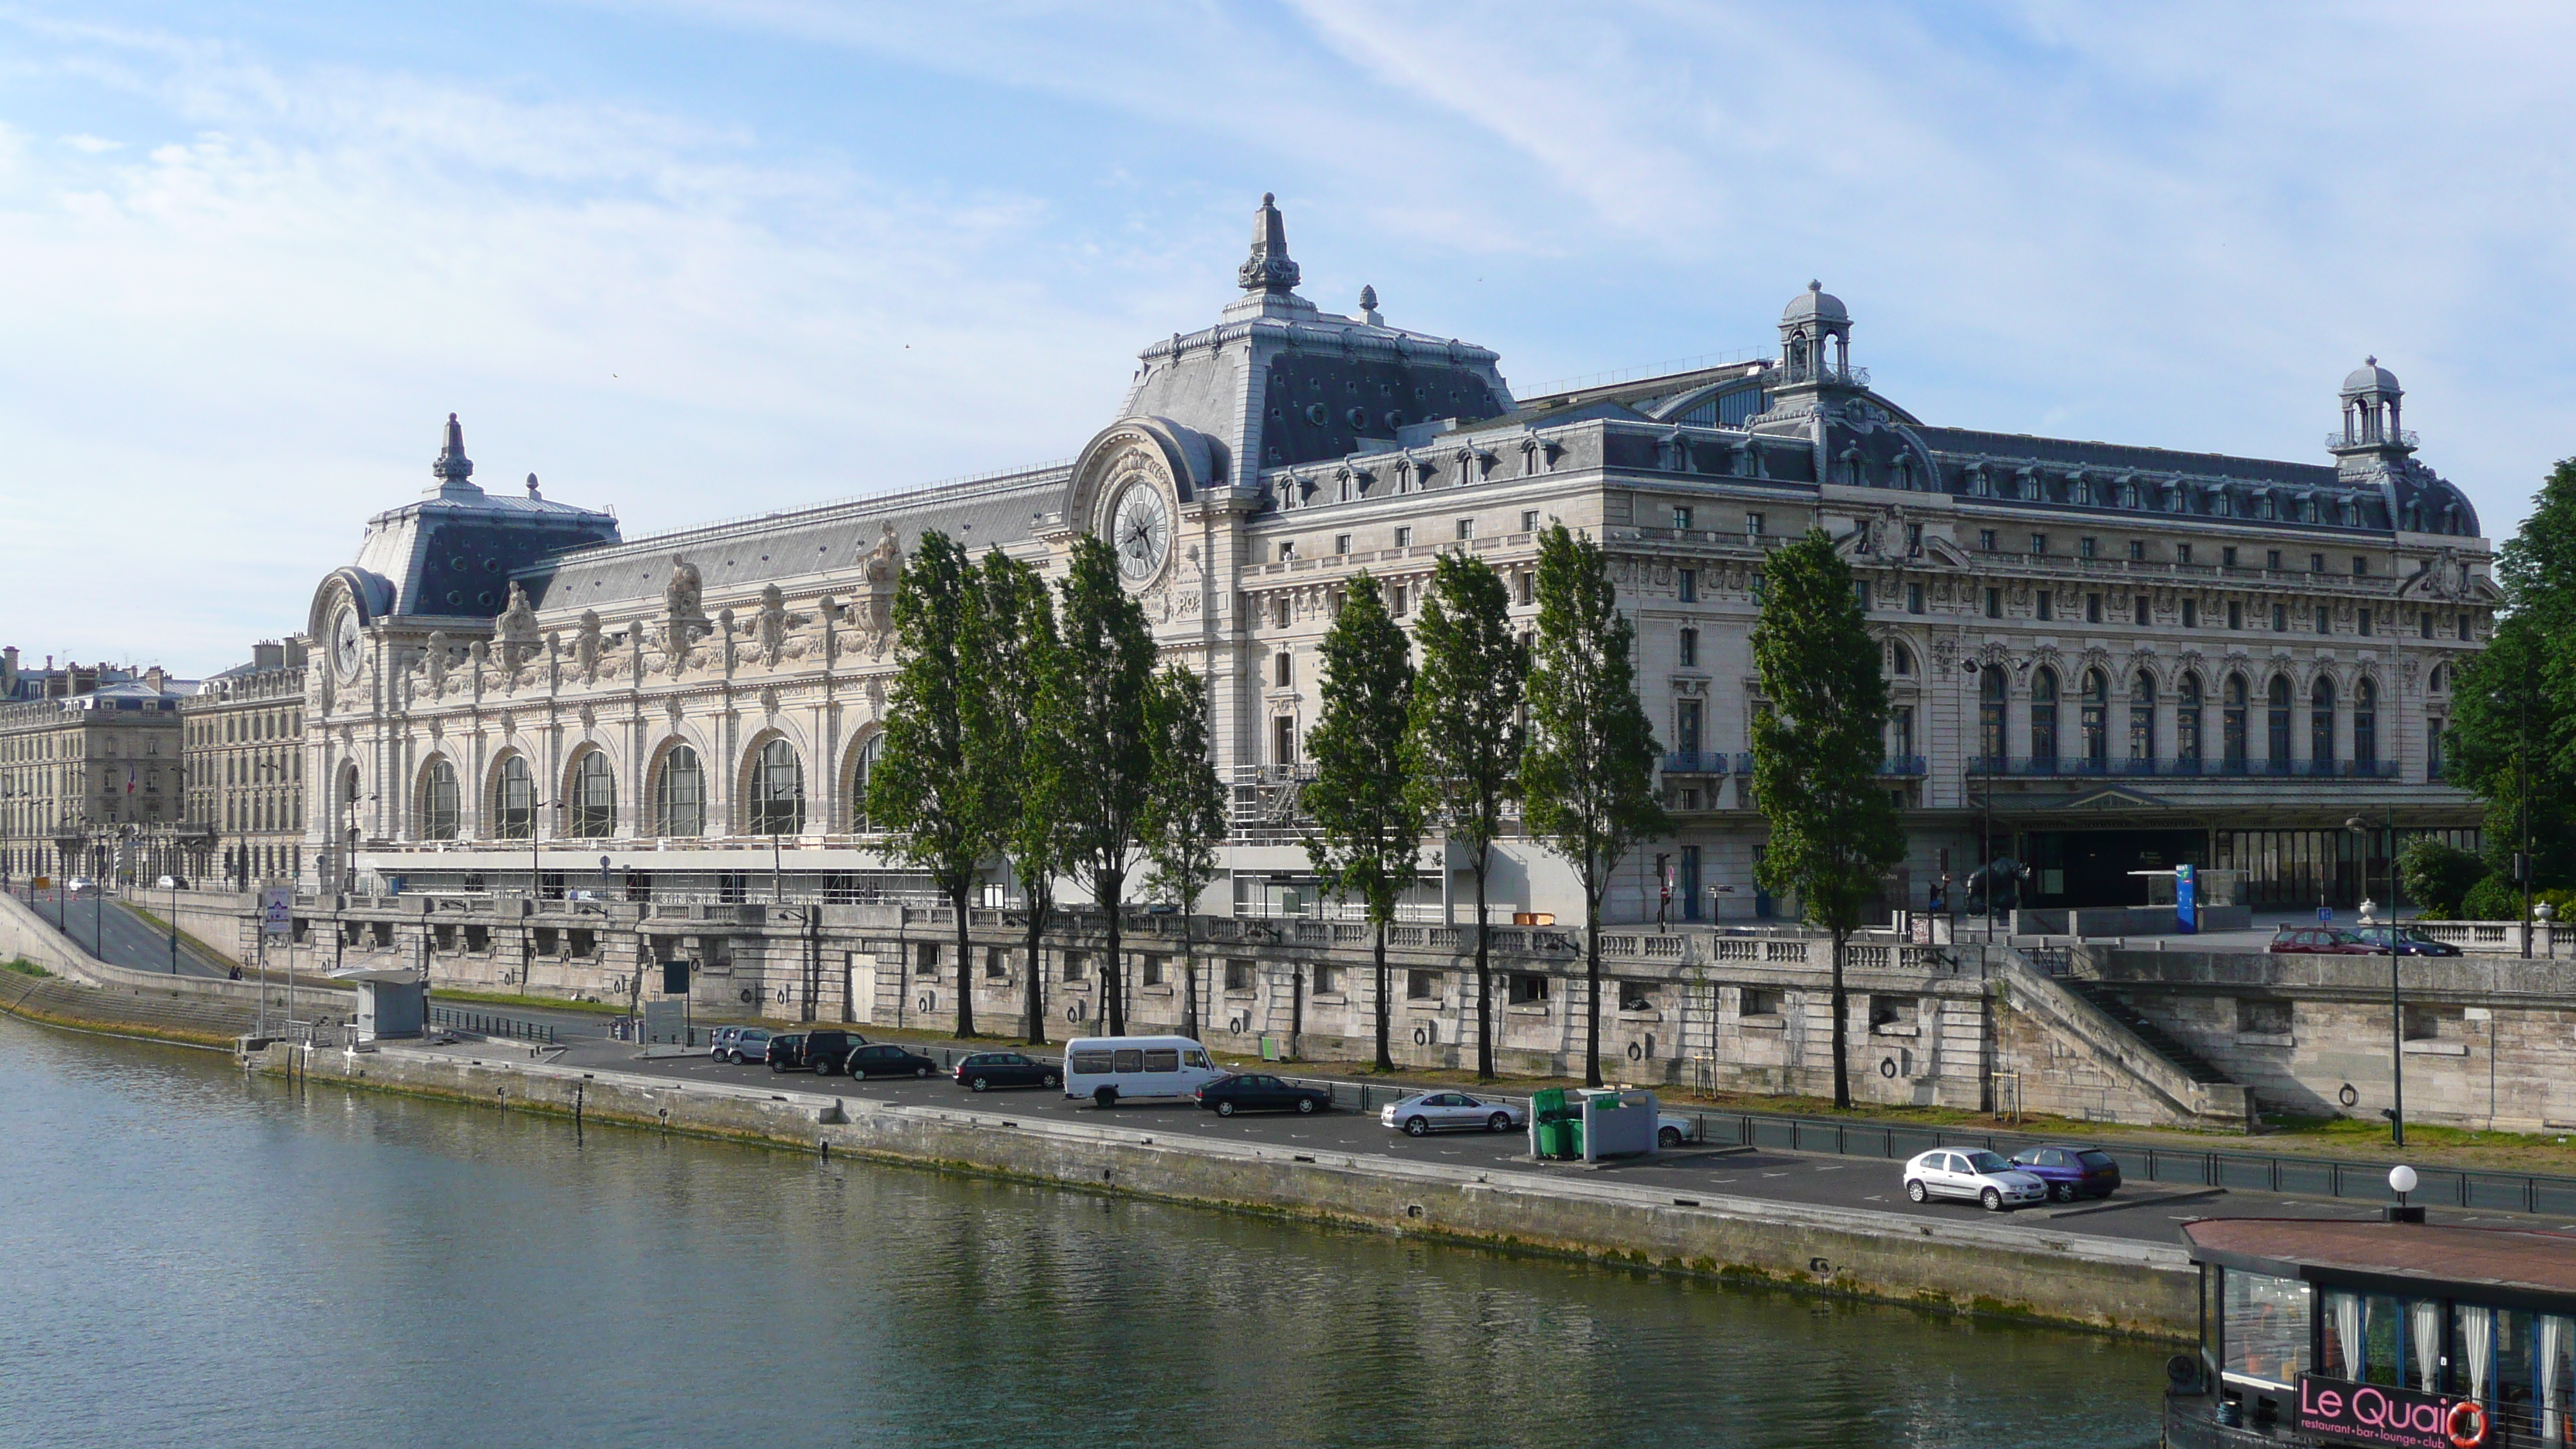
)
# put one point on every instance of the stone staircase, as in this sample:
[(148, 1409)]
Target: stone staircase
[(2107, 1001)]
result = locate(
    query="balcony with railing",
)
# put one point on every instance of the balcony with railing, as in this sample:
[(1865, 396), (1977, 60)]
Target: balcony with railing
[(2371, 438), (1695, 762), (2179, 768), (1904, 765), (1819, 370)]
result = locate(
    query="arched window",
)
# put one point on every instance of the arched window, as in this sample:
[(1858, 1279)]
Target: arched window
[(2043, 720), (594, 796), (514, 801), (2365, 727), (2096, 719), (861, 768), (2187, 704), (2142, 717), (2277, 731), (777, 790), (1990, 717), (2232, 728), (1900, 659), (680, 794), (438, 801), (2321, 712)]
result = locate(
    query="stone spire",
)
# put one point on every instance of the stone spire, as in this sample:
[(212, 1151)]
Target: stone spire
[(1268, 269)]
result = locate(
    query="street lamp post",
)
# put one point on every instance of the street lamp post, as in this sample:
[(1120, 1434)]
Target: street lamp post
[(2396, 1003)]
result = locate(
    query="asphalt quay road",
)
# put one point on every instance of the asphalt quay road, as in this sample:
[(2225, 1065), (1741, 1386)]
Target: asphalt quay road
[(2147, 1212), (115, 935)]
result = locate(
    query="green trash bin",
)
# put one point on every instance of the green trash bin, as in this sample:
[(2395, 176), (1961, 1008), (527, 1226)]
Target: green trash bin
[(1558, 1124)]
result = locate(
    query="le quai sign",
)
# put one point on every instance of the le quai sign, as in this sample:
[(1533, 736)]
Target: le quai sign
[(2376, 1414)]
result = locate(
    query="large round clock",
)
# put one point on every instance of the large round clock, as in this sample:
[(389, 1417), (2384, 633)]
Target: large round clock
[(1140, 530), (345, 645)]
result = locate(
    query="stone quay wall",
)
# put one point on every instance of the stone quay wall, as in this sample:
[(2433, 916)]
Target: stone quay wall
[(1968, 1267)]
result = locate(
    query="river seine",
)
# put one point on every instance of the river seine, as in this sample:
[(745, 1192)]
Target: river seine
[(198, 1257)]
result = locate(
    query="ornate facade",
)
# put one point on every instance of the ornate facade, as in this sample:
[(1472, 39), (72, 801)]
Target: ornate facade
[(2105, 658)]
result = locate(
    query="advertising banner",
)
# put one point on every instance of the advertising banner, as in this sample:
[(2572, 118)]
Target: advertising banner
[(2376, 1414), (2186, 901)]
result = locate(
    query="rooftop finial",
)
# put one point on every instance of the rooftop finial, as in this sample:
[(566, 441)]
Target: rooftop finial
[(532, 485), (2371, 361), (1268, 269), (1368, 307), (452, 465), (1815, 284)]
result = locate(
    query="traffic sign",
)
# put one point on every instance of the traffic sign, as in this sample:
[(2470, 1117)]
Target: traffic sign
[(277, 910)]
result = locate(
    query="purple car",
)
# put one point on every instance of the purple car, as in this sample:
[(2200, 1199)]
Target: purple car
[(2071, 1172)]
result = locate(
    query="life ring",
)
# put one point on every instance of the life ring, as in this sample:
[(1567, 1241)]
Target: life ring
[(2475, 1434)]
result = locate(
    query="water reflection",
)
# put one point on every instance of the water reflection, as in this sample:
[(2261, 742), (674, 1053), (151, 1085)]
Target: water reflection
[(195, 1254)]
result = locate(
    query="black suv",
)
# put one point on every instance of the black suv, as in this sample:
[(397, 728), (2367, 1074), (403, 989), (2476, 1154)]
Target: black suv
[(821, 1052)]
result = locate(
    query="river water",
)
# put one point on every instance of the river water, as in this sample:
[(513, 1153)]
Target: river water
[(192, 1256)]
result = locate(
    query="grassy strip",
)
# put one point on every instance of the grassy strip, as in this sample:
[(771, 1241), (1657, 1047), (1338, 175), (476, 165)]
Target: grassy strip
[(96, 1027), (542, 1003), (24, 967)]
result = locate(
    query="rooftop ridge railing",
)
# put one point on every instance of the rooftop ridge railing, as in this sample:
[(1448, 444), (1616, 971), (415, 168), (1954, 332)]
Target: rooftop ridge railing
[(803, 510)]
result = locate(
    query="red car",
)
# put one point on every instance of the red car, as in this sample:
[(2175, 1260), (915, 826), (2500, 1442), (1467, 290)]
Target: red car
[(2322, 941)]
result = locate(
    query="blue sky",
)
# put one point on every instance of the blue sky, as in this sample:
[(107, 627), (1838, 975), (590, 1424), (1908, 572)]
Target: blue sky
[(698, 258)]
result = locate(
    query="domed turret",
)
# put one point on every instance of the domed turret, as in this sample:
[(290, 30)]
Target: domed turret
[(2370, 404), (1815, 340), (1814, 305), (2371, 377)]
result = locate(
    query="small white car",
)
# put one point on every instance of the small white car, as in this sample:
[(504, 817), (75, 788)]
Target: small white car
[(1452, 1112), (1974, 1174), (1672, 1131)]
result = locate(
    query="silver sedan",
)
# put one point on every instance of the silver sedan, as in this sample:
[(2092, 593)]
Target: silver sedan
[(1452, 1112)]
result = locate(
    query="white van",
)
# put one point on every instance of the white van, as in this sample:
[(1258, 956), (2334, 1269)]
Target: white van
[(1111, 1069)]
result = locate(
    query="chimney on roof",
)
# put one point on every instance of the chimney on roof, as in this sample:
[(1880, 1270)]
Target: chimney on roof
[(156, 678)]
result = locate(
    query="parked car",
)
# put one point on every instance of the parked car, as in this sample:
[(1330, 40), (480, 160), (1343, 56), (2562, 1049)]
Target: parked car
[(2410, 941), (1111, 1069), (2071, 1172), (829, 1051), (2320, 941), (77, 884), (1979, 1176), (170, 883), (1672, 1131), (739, 1044), (885, 1059), (786, 1052), (720, 1041), (985, 1070), (1452, 1112), (1255, 1092)]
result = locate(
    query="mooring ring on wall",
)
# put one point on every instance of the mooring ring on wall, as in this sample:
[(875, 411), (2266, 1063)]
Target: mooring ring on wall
[(1887, 1067), (2348, 1096), (747, 996), (1238, 1025), (925, 1002), (1636, 1053), (1421, 1037), (1073, 1012), (782, 996)]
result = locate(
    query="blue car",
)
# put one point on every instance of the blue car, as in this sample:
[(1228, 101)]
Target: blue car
[(2071, 1172)]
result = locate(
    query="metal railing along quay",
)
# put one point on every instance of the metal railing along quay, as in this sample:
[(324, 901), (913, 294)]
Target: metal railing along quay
[(2515, 1192), (485, 1024)]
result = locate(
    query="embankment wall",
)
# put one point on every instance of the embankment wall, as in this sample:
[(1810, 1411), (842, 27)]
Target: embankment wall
[(1969, 1266)]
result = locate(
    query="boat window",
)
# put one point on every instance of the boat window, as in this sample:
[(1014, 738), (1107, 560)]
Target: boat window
[(1128, 1060), (2266, 1328), (1163, 1059)]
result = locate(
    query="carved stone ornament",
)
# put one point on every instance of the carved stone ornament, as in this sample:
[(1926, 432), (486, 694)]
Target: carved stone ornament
[(774, 623), (518, 628), (586, 646), (435, 659), (769, 699)]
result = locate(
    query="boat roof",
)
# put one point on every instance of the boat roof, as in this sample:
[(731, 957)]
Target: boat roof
[(2526, 1260)]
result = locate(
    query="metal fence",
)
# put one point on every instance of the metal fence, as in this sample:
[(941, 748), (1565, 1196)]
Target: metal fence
[(482, 1024)]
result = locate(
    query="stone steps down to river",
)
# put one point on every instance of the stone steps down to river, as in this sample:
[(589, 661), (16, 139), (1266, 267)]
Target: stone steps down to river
[(2089, 1061), (2164, 1042), (1971, 1265)]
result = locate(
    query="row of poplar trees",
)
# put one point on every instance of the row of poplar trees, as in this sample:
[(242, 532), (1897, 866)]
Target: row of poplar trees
[(1043, 734), (1031, 725)]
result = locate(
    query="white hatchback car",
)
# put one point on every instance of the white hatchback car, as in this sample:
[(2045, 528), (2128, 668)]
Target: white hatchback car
[(1976, 1175)]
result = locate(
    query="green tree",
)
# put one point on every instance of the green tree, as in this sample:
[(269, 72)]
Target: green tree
[(1588, 766), (1012, 735), (927, 786), (1816, 751), (2437, 875), (1184, 812), (1368, 827), (2513, 723), (1464, 746), (1100, 757)]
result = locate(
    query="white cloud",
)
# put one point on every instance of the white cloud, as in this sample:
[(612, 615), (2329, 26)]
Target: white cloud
[(91, 145)]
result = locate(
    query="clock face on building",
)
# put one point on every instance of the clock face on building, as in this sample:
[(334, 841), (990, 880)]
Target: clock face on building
[(345, 651), (1140, 530)]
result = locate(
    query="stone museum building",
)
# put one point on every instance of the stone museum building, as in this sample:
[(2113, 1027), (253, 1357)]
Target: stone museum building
[(2106, 659)]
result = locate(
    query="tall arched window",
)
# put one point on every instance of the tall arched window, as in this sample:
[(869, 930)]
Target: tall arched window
[(2142, 717), (2277, 731), (863, 764), (2321, 712), (2365, 726), (2232, 725), (1900, 659), (777, 790), (2096, 719), (514, 801), (1990, 716), (438, 801), (680, 794), (594, 796), (2043, 719), (2187, 704)]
